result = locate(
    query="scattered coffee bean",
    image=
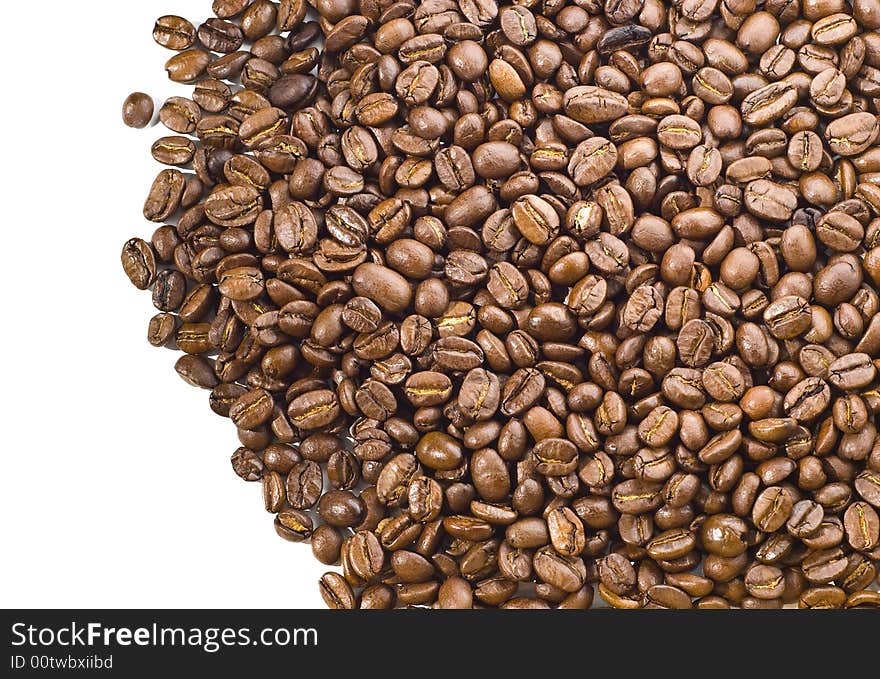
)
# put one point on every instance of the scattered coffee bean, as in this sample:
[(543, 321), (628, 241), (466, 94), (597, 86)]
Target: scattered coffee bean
[(137, 110)]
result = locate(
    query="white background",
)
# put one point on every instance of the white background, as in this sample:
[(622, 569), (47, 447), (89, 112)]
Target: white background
[(116, 489)]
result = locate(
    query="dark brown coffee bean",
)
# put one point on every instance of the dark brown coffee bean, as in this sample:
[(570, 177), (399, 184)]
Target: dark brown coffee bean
[(137, 110), (293, 525), (588, 104), (592, 160), (788, 317), (252, 409), (383, 286), (535, 219), (807, 399), (188, 66), (234, 206), (197, 371), (679, 132), (304, 485), (169, 290), (219, 35), (139, 263), (180, 115), (768, 103), (852, 134), (313, 410), (695, 343), (174, 33), (772, 508), (165, 195), (851, 371), (862, 526)]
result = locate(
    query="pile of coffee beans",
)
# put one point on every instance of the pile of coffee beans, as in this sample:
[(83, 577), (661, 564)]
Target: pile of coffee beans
[(530, 305)]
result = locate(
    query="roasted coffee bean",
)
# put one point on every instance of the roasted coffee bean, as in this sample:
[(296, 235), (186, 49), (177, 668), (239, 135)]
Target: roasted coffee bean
[(180, 115), (174, 33), (766, 104), (139, 263), (219, 35), (788, 317), (724, 535), (385, 287), (197, 371), (137, 110), (862, 526), (824, 565), (234, 206), (808, 399), (293, 525), (173, 150), (852, 371), (588, 104), (852, 134), (304, 485), (188, 66), (772, 508), (592, 160), (169, 290), (314, 409), (679, 132), (695, 343), (165, 195), (535, 219)]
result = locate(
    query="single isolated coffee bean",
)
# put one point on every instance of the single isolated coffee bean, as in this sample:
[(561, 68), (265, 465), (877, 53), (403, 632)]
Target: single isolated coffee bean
[(515, 303), (137, 110)]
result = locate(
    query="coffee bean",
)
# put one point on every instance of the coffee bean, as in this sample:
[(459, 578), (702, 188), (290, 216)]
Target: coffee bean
[(425, 499), (233, 206), (197, 371), (824, 565), (723, 382), (180, 115), (851, 371), (169, 290), (139, 263), (313, 410), (807, 399), (772, 508), (535, 219), (336, 592), (165, 195), (769, 200), (219, 35), (766, 104), (252, 409), (765, 582), (592, 160), (695, 342), (437, 450), (788, 317), (862, 526), (188, 66), (137, 110), (304, 485), (293, 525), (588, 104), (385, 287), (174, 33), (679, 132)]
